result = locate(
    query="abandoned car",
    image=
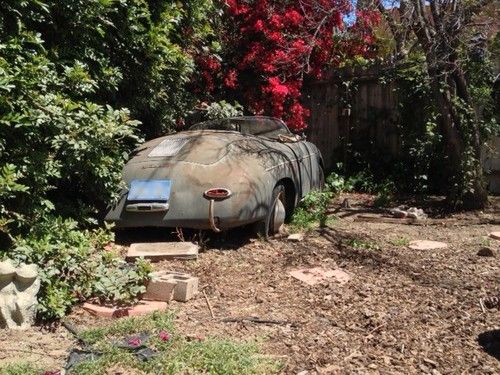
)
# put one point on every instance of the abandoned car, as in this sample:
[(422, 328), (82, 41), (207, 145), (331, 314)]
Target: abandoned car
[(218, 175)]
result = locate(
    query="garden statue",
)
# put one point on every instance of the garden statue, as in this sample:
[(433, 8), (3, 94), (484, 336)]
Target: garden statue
[(18, 289)]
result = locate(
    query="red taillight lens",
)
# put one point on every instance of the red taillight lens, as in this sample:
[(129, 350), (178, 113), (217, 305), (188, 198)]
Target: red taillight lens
[(217, 193)]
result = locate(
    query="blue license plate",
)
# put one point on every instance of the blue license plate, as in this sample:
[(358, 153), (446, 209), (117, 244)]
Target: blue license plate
[(149, 190)]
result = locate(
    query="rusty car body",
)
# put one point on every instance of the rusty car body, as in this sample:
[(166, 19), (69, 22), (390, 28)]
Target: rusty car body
[(218, 175)]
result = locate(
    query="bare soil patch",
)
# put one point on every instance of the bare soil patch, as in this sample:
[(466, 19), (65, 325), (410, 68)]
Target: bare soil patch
[(403, 312)]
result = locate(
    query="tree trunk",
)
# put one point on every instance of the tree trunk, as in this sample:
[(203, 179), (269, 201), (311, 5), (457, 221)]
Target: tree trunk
[(456, 152)]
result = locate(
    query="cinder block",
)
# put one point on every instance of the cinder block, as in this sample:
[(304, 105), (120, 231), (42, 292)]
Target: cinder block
[(186, 287), (166, 285), (160, 288)]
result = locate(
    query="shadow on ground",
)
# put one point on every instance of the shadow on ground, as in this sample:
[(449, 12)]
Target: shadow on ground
[(227, 240), (490, 342)]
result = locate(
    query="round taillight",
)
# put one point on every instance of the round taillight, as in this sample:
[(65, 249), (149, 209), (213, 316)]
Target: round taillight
[(217, 193)]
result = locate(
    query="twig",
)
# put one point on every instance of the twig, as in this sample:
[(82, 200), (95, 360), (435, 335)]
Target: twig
[(208, 304), (377, 328), (258, 320), (482, 305)]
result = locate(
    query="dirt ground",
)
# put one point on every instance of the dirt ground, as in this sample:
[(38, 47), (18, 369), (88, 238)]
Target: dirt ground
[(404, 311)]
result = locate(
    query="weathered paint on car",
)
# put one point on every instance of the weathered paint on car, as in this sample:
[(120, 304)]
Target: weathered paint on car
[(249, 166)]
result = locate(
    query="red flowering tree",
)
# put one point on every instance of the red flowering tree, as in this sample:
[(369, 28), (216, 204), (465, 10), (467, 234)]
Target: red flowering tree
[(270, 46)]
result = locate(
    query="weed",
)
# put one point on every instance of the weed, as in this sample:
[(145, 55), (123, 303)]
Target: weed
[(485, 241), (361, 244), (401, 242), (312, 210)]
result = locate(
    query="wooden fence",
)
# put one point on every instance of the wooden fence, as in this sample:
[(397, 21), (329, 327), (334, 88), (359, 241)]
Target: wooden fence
[(357, 115), (363, 115)]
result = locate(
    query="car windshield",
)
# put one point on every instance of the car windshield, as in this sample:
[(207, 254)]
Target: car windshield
[(261, 126)]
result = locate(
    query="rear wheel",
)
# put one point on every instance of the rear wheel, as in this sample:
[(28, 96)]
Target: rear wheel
[(275, 217)]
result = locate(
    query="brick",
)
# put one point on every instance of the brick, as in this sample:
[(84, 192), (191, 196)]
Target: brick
[(141, 308)]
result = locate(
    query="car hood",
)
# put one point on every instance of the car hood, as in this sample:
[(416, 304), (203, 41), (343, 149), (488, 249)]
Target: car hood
[(199, 147)]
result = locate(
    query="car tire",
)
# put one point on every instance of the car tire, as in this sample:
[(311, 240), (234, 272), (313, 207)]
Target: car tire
[(275, 217)]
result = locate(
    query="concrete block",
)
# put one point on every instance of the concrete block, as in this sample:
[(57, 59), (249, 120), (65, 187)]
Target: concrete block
[(18, 289), (160, 288), (156, 251), (186, 287), (168, 285)]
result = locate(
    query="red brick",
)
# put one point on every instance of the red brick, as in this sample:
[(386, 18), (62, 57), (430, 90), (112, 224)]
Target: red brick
[(142, 308)]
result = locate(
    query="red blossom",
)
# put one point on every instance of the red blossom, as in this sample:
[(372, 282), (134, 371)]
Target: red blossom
[(164, 336), (292, 17), (134, 341), (270, 45), (231, 79)]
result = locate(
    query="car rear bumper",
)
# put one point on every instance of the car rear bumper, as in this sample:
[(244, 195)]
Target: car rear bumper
[(230, 213)]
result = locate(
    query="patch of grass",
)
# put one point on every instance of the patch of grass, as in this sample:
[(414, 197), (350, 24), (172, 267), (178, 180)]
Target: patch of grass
[(175, 356), (485, 241), (401, 242), (362, 244), (20, 368)]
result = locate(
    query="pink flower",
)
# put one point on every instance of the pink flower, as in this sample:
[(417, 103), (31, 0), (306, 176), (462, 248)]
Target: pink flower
[(134, 341), (164, 336), (52, 372)]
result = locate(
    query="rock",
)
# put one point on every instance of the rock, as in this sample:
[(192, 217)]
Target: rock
[(413, 213), (427, 245), (486, 252), (400, 214), (416, 213), (296, 237), (18, 289)]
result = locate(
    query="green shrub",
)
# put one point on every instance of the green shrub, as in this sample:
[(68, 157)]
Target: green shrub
[(312, 210), (74, 267)]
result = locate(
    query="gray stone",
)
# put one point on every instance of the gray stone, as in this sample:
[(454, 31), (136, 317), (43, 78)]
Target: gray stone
[(156, 251), (296, 237), (18, 289)]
